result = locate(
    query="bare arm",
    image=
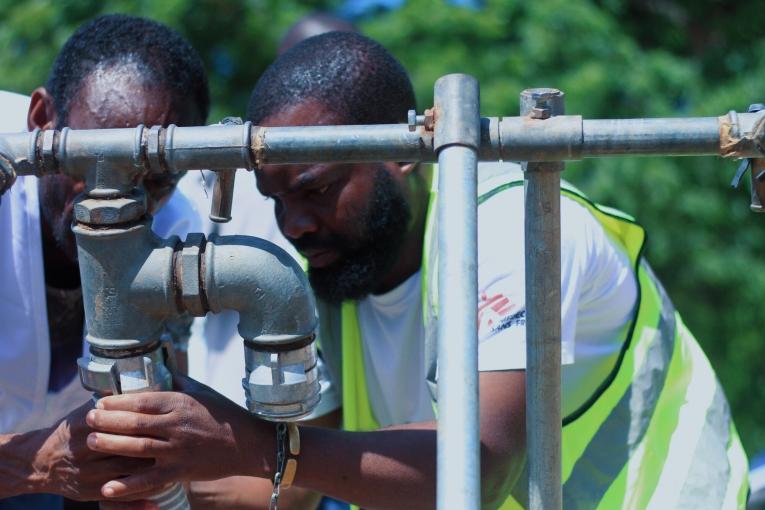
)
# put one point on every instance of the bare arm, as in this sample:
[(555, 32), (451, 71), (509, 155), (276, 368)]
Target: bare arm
[(380, 469), (396, 467), (249, 493)]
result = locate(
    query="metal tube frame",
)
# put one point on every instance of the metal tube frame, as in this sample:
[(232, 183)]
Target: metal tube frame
[(453, 134), (456, 140), (543, 313)]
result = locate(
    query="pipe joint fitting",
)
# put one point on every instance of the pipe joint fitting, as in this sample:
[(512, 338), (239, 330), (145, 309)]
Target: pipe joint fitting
[(456, 112), (145, 370), (281, 384), (112, 211), (187, 273)]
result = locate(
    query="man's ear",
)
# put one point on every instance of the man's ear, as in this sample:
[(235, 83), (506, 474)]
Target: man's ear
[(42, 112), (403, 169), (407, 168)]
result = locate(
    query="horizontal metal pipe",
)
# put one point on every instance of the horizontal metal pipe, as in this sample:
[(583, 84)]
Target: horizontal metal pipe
[(671, 137), (142, 150), (221, 146), (384, 142), (553, 139)]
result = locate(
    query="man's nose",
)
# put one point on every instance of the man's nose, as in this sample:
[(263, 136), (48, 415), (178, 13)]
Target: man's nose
[(297, 220)]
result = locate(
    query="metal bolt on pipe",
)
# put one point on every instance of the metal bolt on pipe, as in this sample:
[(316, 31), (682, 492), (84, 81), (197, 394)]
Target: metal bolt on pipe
[(457, 138), (543, 312)]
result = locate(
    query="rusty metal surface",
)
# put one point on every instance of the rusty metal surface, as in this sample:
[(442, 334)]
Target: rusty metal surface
[(742, 135)]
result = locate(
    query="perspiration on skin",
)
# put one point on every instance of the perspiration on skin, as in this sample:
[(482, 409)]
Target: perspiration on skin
[(99, 81)]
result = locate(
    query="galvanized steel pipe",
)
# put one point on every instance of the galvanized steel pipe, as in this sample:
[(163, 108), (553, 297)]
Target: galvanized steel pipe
[(457, 139), (543, 314), (129, 152)]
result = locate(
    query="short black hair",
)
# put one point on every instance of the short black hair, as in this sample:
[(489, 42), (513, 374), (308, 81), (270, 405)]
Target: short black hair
[(159, 52), (350, 74)]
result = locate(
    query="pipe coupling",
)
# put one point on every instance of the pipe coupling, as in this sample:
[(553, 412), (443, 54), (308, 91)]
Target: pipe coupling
[(118, 371), (281, 382)]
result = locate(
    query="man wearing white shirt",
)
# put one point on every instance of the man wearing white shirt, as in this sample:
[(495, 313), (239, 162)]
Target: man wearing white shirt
[(115, 71)]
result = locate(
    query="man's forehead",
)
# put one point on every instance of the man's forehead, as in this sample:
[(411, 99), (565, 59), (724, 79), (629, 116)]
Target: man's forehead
[(120, 96), (309, 112), (279, 179)]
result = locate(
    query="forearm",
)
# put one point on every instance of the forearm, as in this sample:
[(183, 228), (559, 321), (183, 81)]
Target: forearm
[(396, 467), (392, 468), (246, 493), (17, 474)]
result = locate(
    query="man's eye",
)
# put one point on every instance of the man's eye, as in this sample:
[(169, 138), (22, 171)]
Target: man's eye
[(321, 190)]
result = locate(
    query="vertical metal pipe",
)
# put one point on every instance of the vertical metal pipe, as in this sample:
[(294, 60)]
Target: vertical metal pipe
[(543, 313), (457, 136)]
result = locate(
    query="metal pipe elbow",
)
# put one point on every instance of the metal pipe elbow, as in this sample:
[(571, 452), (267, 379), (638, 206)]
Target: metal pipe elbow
[(264, 284), (277, 317)]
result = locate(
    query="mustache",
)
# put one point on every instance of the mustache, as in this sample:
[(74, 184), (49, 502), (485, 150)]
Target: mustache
[(317, 242)]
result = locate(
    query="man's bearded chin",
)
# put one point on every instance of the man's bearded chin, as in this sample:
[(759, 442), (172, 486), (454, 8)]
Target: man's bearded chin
[(56, 206), (367, 257)]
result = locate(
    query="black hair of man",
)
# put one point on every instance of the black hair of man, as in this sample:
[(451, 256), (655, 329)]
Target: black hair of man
[(162, 55), (347, 72)]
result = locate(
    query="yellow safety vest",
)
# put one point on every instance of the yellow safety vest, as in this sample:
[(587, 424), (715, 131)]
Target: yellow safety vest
[(657, 433)]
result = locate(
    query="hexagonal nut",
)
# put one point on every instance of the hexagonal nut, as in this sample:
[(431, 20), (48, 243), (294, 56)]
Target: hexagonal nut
[(540, 113), (112, 211)]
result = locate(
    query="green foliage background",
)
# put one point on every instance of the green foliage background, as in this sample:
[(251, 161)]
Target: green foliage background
[(613, 58)]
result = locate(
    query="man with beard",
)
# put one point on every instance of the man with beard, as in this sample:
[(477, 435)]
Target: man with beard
[(115, 71), (645, 422)]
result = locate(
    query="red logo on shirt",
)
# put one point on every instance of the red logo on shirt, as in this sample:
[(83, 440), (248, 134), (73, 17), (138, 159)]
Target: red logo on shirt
[(491, 309)]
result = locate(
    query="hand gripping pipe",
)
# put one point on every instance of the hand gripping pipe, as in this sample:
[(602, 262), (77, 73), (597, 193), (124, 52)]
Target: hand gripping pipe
[(126, 269)]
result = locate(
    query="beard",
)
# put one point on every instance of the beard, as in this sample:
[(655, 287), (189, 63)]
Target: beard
[(57, 196), (368, 254)]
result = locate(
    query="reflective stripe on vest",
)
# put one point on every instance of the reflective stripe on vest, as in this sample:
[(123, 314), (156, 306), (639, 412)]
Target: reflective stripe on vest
[(656, 434)]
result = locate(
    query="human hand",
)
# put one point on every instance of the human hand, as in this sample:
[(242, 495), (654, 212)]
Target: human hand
[(63, 464), (196, 435)]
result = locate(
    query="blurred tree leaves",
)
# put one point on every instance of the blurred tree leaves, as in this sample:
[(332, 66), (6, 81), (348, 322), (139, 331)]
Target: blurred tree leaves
[(613, 58), (621, 59)]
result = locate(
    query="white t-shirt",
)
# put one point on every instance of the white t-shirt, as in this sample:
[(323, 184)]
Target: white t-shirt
[(25, 403), (599, 293)]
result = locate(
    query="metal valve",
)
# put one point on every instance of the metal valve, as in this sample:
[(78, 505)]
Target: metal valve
[(223, 189)]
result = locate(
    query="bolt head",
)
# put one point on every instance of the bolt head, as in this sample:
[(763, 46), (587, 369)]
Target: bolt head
[(412, 119), (539, 113), (112, 211)]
